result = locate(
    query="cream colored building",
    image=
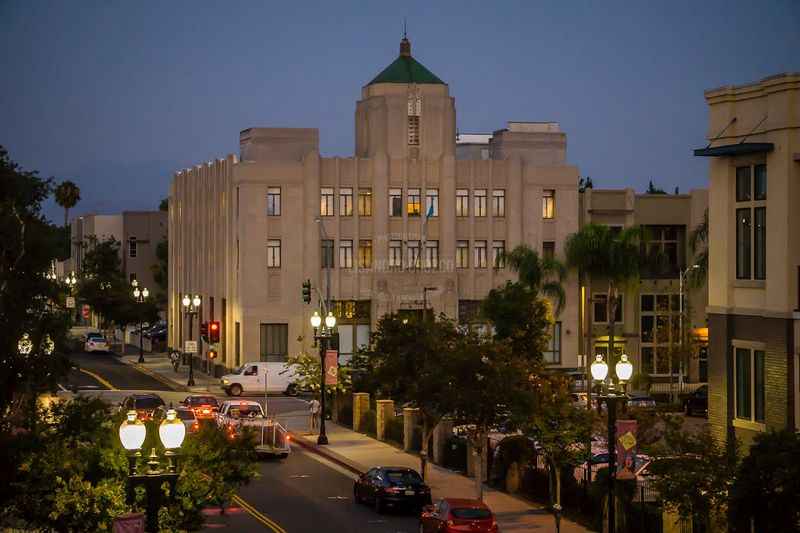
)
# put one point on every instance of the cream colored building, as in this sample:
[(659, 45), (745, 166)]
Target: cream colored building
[(649, 320), (247, 230), (754, 261)]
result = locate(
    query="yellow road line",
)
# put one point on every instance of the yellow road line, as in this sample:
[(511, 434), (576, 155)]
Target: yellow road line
[(257, 515), (99, 378)]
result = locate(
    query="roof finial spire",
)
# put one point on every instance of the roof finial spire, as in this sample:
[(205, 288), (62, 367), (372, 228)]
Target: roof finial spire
[(405, 44)]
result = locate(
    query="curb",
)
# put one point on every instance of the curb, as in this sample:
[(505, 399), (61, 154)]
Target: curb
[(164, 381), (327, 454)]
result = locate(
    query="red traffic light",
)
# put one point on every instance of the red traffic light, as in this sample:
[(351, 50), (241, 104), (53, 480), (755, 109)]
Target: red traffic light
[(213, 331)]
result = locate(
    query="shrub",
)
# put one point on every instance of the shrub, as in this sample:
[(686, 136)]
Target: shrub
[(369, 423), (394, 429), (514, 449), (455, 453), (346, 415)]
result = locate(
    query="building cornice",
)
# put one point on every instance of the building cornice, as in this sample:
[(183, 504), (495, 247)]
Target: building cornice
[(745, 311)]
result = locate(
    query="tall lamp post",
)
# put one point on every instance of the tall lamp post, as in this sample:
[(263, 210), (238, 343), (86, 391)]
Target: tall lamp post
[(132, 433), (191, 306), (609, 393), (140, 296), (322, 335)]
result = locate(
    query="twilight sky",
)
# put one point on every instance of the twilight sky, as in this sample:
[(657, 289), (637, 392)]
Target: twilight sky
[(116, 95)]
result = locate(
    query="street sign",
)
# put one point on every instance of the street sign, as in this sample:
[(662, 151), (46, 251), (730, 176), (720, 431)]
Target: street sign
[(190, 346), (70, 302), (331, 367), (85, 311)]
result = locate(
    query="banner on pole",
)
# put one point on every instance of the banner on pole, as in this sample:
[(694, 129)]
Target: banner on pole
[(626, 448), (331, 367)]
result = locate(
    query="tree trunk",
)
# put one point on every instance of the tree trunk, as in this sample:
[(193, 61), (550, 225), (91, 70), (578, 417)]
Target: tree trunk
[(66, 230), (478, 446), (589, 352)]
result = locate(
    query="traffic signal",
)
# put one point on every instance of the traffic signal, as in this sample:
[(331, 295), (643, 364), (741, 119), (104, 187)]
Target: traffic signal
[(307, 291), (212, 354), (204, 331), (213, 331)]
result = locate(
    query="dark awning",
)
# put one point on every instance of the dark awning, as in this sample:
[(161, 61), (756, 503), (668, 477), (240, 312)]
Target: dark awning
[(734, 149)]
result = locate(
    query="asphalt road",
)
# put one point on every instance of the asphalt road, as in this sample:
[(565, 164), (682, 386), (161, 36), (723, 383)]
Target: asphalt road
[(110, 369)]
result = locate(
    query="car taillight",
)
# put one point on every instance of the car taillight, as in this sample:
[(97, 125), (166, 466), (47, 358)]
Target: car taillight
[(195, 426), (392, 490)]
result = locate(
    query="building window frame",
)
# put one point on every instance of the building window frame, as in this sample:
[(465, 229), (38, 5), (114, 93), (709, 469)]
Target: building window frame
[(462, 254), (601, 300), (432, 201), (395, 202), (395, 254), (345, 253), (273, 253), (364, 253), (345, 201), (479, 251), (498, 202), (498, 254), (326, 201), (273, 201), (462, 202), (413, 202), (273, 342), (750, 195), (659, 320), (431, 255), (413, 250), (552, 355), (549, 250), (132, 247), (548, 204), (749, 409), (479, 197), (326, 253), (365, 202)]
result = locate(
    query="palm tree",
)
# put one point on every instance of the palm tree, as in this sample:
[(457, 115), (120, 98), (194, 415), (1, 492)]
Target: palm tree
[(67, 195), (698, 242), (544, 275), (601, 252)]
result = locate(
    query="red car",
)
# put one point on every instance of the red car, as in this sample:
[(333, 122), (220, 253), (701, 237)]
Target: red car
[(457, 515), (203, 406)]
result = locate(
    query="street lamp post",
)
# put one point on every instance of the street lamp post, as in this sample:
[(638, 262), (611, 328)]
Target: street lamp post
[(191, 306), (608, 392), (322, 335), (132, 434), (140, 296)]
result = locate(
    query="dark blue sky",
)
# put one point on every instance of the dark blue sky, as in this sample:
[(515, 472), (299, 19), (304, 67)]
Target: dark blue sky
[(116, 95)]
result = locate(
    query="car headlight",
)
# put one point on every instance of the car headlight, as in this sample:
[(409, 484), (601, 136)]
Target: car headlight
[(225, 381)]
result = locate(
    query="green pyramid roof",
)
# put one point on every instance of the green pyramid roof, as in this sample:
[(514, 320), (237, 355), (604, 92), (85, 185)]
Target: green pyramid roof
[(406, 69)]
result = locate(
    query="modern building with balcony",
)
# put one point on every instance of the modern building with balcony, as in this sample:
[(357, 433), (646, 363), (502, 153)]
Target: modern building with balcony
[(414, 219), (754, 256)]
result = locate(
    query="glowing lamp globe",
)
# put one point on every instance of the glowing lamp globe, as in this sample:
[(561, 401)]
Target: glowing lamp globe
[(196, 300), (186, 301), (171, 431), (624, 368), (145, 293), (330, 320), (25, 344), (136, 292), (132, 432), (316, 320), (48, 345), (599, 369)]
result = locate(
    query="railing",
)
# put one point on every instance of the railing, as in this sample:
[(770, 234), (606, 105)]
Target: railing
[(680, 388)]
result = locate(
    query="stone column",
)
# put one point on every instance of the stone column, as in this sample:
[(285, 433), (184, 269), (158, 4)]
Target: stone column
[(360, 406), (441, 433), (385, 414), (473, 461), (410, 421)]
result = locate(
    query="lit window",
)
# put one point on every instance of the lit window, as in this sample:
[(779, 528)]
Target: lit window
[(432, 255), (413, 202), (499, 202), (364, 254), (480, 254), (273, 254), (548, 203), (132, 247), (462, 254), (499, 254), (395, 254), (432, 205), (395, 202), (274, 201), (462, 202), (326, 202), (346, 254), (345, 202), (365, 202), (480, 202)]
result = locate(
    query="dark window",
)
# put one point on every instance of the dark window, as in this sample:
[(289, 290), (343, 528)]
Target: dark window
[(396, 202), (759, 398), (132, 247), (743, 384), (553, 353), (662, 247), (760, 184), (743, 186), (601, 308), (273, 201), (237, 343), (648, 302), (647, 328), (760, 243), (327, 253), (743, 254), (549, 249), (702, 359), (274, 342)]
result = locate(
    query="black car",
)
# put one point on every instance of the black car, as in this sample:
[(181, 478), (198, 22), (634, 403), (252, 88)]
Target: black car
[(697, 402), (145, 405), (391, 486)]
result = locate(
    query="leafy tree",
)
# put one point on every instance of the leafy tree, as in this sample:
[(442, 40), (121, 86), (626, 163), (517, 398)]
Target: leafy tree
[(698, 242), (652, 189), (584, 184), (693, 472), (562, 431), (541, 275), (410, 361), (307, 374), (767, 485), (160, 272), (164, 204), (67, 196)]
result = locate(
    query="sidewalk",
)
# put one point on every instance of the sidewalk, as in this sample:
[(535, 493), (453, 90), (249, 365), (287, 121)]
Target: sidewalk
[(159, 367), (358, 453)]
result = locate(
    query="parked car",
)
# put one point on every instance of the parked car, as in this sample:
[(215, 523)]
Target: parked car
[(456, 515), (391, 486), (254, 377), (271, 437), (203, 406), (185, 415), (697, 402), (146, 405), (95, 342), (641, 401)]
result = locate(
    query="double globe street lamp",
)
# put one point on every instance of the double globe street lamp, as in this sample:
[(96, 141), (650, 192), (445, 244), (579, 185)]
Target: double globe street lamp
[(322, 335), (611, 395), (140, 296), (191, 306), (132, 433)]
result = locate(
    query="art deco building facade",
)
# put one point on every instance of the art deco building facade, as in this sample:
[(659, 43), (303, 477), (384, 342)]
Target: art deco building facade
[(754, 256), (408, 221)]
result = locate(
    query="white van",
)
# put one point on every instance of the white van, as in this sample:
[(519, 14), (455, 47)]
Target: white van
[(252, 377)]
